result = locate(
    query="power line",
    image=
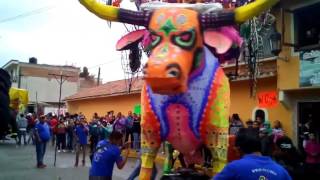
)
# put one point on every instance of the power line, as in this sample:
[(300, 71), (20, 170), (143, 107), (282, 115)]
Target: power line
[(109, 62), (26, 14)]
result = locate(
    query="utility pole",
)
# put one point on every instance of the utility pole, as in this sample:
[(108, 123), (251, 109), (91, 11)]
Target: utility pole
[(98, 77), (60, 79)]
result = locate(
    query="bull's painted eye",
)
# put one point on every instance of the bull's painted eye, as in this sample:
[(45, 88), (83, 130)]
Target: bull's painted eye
[(185, 39), (155, 39)]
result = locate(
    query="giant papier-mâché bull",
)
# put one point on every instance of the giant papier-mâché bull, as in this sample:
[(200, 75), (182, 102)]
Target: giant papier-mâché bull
[(185, 99)]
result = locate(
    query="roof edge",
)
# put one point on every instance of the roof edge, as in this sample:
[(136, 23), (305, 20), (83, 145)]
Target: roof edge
[(102, 96), (12, 61)]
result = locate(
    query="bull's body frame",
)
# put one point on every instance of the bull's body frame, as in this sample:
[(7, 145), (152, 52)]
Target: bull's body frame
[(204, 107)]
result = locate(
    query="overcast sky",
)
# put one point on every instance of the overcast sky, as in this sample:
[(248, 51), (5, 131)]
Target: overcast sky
[(60, 32)]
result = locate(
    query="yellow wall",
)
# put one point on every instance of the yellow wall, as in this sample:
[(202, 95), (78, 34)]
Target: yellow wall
[(243, 104), (289, 72), (122, 104)]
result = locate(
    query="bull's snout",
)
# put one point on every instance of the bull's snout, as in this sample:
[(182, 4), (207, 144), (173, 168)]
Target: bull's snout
[(171, 71), (167, 79)]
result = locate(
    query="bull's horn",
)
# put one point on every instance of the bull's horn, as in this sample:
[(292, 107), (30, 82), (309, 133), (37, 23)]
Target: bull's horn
[(116, 14), (216, 19), (250, 10)]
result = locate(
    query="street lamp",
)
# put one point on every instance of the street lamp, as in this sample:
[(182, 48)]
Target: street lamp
[(276, 45)]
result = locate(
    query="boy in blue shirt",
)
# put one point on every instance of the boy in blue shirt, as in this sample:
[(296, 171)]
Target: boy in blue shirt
[(42, 136), (252, 166), (106, 155), (81, 131)]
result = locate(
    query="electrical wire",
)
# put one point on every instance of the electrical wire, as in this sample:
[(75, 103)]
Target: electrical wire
[(26, 14), (98, 65)]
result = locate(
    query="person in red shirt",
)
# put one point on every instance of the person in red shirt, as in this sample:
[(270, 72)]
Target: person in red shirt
[(312, 150), (61, 136), (53, 125), (30, 128)]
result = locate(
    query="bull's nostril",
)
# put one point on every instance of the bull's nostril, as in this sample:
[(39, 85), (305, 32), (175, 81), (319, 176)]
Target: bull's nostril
[(173, 70), (173, 73)]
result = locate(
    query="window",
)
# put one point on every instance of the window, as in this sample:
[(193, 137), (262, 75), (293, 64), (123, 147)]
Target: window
[(307, 27)]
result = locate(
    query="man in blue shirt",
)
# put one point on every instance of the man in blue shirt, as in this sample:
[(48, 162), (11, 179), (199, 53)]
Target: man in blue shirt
[(107, 154), (252, 166), (42, 136), (81, 131)]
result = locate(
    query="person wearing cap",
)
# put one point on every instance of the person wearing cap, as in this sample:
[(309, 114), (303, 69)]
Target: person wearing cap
[(42, 136), (287, 155)]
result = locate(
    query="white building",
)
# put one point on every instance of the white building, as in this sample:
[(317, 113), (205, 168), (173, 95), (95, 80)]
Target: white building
[(42, 84)]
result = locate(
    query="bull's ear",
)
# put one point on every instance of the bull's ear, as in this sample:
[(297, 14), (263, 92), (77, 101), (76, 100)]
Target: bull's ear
[(130, 39), (222, 39), (218, 41)]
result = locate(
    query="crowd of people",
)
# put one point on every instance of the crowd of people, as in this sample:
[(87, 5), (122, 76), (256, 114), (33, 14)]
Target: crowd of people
[(277, 145), (106, 136), (73, 133)]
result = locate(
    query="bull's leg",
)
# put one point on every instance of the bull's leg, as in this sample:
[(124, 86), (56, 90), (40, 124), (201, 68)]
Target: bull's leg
[(150, 137), (149, 148), (218, 145), (216, 125)]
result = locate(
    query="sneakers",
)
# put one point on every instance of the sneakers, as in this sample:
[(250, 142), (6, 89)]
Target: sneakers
[(64, 151), (41, 166), (59, 151)]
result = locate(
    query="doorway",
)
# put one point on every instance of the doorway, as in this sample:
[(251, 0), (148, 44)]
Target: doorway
[(308, 121)]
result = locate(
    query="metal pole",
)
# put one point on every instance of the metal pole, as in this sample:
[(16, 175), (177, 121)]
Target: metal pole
[(98, 83), (59, 105)]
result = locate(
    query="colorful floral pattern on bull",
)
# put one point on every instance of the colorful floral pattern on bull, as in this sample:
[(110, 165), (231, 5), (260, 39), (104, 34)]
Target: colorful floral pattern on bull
[(184, 43)]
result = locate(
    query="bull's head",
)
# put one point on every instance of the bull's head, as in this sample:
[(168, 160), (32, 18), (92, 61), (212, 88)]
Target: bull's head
[(177, 38)]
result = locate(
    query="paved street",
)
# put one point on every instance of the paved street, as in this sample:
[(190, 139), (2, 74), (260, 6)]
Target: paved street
[(18, 163)]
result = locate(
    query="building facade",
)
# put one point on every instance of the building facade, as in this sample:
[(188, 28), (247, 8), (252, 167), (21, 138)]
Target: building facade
[(111, 96), (298, 65), (42, 83)]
